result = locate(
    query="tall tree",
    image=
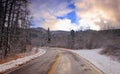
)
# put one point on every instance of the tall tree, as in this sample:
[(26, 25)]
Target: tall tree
[(48, 36), (72, 41), (14, 22)]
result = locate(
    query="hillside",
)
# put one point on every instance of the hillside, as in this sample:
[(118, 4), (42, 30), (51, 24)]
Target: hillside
[(38, 36), (83, 39)]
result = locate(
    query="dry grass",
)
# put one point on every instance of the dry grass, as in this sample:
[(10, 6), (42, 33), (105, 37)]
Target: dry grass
[(20, 55), (111, 50)]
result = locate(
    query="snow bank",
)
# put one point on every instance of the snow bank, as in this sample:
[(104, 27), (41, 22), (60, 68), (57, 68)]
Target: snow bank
[(20, 61), (104, 63)]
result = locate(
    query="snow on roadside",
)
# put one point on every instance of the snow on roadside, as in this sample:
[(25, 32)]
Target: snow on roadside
[(104, 63), (20, 61)]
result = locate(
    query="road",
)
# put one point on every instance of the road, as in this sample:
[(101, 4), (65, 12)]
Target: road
[(57, 61)]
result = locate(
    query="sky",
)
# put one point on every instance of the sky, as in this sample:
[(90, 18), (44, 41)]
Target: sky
[(76, 14)]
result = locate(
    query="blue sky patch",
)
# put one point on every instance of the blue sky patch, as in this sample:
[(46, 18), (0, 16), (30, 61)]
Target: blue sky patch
[(72, 6), (60, 17), (72, 16)]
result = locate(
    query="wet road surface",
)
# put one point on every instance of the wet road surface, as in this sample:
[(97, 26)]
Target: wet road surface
[(57, 61)]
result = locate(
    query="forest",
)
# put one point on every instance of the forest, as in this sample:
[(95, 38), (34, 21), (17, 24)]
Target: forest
[(14, 22)]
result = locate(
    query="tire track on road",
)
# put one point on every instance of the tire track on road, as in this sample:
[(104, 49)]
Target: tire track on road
[(55, 64)]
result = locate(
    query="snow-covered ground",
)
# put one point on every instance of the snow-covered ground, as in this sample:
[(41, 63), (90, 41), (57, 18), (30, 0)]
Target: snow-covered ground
[(20, 61), (104, 63)]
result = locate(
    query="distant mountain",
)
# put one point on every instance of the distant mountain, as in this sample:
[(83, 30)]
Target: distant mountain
[(59, 32), (38, 36), (40, 29)]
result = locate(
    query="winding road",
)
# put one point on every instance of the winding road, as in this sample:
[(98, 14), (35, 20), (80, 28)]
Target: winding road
[(57, 61)]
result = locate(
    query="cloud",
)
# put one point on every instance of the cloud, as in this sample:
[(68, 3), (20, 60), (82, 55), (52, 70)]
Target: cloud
[(65, 24), (59, 24), (45, 12), (53, 7), (90, 14), (104, 14)]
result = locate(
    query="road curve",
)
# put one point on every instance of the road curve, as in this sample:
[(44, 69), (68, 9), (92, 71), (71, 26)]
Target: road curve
[(57, 61)]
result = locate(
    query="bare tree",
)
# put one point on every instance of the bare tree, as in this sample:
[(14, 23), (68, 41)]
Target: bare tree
[(72, 41), (14, 22), (48, 36)]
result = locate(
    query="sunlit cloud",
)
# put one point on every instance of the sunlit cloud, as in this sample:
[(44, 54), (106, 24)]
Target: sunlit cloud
[(65, 24), (61, 24), (103, 14)]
